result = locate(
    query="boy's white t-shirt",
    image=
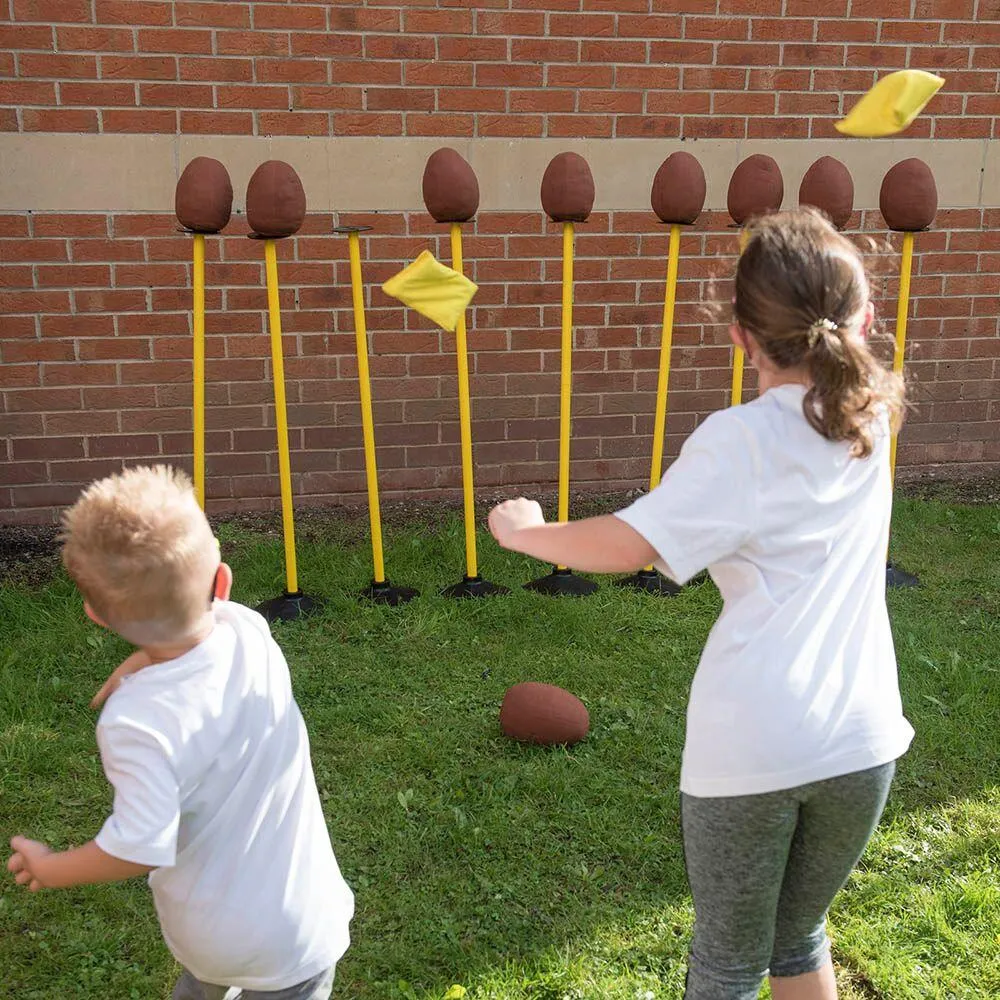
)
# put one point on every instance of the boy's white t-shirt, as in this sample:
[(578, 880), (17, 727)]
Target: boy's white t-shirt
[(797, 682), (209, 758)]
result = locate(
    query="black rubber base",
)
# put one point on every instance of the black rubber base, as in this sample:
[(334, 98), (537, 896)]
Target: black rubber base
[(288, 607), (651, 582), (562, 583), (896, 578), (474, 586), (386, 593)]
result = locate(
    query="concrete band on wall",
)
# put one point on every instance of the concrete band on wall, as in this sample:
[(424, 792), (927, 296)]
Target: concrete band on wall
[(136, 173)]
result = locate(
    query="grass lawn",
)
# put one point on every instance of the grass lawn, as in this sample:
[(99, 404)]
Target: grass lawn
[(518, 872)]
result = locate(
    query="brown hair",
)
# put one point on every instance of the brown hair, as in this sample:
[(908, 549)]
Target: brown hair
[(802, 293)]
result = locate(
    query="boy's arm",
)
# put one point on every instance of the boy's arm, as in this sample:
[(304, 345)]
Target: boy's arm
[(37, 867), (595, 545)]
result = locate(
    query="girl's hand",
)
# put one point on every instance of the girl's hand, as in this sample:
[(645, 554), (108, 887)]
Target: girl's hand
[(132, 665), (24, 862), (513, 516)]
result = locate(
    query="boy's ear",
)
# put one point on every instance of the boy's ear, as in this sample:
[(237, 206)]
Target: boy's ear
[(92, 615), (223, 582)]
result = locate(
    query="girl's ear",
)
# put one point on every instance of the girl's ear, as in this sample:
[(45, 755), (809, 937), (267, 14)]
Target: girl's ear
[(869, 319), (223, 582), (92, 615), (741, 338)]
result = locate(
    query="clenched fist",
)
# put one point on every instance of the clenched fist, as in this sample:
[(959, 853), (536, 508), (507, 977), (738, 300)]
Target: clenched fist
[(511, 516)]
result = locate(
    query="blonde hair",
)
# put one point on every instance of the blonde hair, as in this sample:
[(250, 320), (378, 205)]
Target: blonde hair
[(801, 291), (142, 553)]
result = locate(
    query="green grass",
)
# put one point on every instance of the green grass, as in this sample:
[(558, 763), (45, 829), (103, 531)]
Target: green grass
[(520, 873)]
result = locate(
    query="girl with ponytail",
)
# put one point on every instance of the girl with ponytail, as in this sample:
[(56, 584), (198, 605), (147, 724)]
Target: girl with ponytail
[(794, 721)]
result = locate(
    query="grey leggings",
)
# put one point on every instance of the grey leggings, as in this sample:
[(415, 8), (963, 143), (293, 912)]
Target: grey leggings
[(763, 871), (317, 988)]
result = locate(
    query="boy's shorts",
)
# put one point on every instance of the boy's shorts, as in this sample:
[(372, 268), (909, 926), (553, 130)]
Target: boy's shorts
[(317, 988)]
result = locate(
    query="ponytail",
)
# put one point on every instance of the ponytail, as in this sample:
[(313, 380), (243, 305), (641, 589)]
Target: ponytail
[(802, 293)]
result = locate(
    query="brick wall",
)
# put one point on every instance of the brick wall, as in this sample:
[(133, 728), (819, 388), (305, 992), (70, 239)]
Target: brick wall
[(94, 325)]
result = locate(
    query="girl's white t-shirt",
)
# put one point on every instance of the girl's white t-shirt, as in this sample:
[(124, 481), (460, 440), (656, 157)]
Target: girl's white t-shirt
[(797, 682), (209, 758)]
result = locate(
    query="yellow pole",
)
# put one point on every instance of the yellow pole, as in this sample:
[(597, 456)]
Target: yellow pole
[(465, 418), (367, 421), (736, 393), (666, 339), (902, 310), (198, 375), (281, 416), (566, 374)]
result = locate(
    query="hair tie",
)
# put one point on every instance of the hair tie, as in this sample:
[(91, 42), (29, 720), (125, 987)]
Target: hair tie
[(819, 329)]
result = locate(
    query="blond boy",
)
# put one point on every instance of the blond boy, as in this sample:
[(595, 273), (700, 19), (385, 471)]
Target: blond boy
[(207, 752)]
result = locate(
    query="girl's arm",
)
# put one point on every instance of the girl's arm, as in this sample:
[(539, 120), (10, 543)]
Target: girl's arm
[(595, 545)]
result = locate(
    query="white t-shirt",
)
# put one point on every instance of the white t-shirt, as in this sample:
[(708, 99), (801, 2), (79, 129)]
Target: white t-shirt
[(797, 682), (209, 758)]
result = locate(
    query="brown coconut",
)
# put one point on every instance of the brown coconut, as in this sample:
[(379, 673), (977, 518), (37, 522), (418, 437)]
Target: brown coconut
[(908, 199), (756, 187), (203, 200), (451, 191), (678, 194), (276, 200), (828, 186), (568, 188)]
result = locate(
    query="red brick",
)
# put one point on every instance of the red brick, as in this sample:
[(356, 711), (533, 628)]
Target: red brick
[(535, 50), (133, 12), (139, 67), (403, 99), (15, 277), (74, 276), (50, 11), (292, 123), (471, 99), (950, 10), (190, 41), (290, 71), (474, 49), (175, 95), (509, 75), (257, 97), (439, 74), (504, 23), (27, 92), (440, 124), (820, 55), (326, 44), (58, 66), (216, 122), (139, 121), (358, 19), (616, 52), (85, 39), (519, 126), (215, 70), (300, 17), (97, 94), (437, 22), (731, 103), (59, 120), (538, 101)]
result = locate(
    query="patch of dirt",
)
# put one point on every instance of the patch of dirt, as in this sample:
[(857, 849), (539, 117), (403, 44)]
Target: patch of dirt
[(29, 553)]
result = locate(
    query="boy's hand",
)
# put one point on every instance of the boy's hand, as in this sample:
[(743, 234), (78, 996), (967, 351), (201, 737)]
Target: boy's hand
[(132, 665), (24, 862), (512, 516)]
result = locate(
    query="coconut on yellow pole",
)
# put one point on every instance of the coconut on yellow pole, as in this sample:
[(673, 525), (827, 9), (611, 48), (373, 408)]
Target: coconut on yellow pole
[(451, 196), (198, 365), (203, 204), (276, 208), (567, 195)]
